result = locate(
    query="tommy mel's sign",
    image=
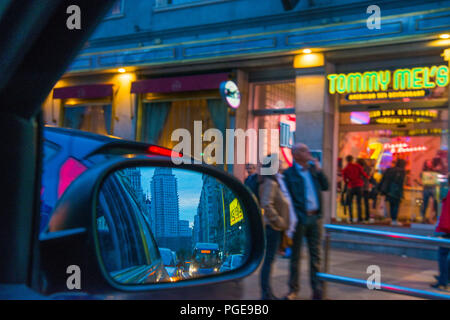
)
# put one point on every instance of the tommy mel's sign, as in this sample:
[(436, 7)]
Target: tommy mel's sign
[(386, 84)]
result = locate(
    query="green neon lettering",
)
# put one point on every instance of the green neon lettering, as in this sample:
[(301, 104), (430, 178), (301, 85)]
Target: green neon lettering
[(417, 78), (370, 81), (442, 76), (384, 81), (402, 79), (354, 82), (332, 86), (426, 77), (341, 83)]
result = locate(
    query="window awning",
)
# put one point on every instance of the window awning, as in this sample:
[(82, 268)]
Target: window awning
[(179, 84), (90, 91)]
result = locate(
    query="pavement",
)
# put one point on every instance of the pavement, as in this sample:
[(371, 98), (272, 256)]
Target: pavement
[(396, 270)]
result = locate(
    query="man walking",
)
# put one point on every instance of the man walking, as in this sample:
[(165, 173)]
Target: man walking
[(305, 181)]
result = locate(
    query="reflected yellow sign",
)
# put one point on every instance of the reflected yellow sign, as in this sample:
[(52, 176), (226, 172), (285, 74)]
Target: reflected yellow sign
[(236, 213)]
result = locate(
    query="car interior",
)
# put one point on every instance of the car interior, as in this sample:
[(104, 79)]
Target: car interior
[(37, 49)]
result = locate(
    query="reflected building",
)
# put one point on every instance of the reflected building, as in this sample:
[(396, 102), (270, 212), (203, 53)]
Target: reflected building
[(213, 223), (133, 177), (164, 203), (208, 223), (170, 232)]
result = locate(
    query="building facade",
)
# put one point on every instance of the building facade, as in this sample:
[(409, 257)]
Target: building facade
[(317, 71)]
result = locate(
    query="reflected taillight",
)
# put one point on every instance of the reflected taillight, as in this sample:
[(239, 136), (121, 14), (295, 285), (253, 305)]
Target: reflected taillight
[(68, 172), (163, 152)]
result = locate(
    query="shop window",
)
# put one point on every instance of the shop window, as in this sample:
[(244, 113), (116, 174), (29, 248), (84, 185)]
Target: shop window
[(273, 108), (161, 118), (116, 10), (91, 118), (381, 138)]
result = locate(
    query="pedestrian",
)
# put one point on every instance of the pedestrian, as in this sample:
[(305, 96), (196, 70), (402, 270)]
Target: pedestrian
[(443, 230), (252, 178), (366, 188), (391, 186), (354, 176), (429, 182), (275, 208), (305, 181)]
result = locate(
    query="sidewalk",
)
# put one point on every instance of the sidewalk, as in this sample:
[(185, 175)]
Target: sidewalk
[(401, 271)]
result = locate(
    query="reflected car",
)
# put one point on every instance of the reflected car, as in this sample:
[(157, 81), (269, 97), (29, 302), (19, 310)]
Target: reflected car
[(232, 262), (170, 263)]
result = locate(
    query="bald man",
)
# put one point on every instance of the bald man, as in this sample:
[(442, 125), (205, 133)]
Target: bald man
[(305, 182)]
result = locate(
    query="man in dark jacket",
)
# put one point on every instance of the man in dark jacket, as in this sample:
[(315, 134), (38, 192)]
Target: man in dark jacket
[(305, 181)]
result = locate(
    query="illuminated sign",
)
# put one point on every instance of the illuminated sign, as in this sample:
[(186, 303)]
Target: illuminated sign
[(410, 83), (418, 132), (236, 213), (402, 116), (403, 148), (230, 92), (388, 95), (205, 251)]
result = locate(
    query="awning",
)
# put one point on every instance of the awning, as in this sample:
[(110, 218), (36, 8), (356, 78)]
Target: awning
[(179, 84), (90, 91)]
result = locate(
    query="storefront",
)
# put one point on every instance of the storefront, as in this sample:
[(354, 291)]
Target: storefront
[(391, 110), (167, 104)]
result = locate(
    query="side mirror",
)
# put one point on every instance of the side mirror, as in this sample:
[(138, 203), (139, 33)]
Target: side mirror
[(127, 220)]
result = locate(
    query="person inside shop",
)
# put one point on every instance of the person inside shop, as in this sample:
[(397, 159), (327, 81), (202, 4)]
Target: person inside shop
[(354, 176), (443, 230), (366, 187), (275, 206), (429, 182), (391, 186)]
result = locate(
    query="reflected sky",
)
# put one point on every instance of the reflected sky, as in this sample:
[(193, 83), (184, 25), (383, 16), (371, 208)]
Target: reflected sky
[(189, 189)]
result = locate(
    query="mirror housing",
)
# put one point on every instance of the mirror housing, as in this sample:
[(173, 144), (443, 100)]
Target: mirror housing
[(70, 238)]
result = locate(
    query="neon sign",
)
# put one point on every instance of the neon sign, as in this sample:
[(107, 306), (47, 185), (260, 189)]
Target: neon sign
[(400, 79), (403, 148), (402, 116)]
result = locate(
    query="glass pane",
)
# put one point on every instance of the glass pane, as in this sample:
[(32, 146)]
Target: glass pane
[(274, 96), (91, 118)]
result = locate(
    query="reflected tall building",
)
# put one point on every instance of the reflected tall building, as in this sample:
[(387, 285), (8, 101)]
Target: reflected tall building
[(164, 203)]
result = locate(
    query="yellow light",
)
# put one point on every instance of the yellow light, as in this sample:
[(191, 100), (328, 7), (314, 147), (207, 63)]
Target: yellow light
[(309, 60), (444, 36), (307, 51), (121, 70)]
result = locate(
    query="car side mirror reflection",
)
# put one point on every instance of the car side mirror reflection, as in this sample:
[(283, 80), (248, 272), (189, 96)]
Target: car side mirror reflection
[(162, 224)]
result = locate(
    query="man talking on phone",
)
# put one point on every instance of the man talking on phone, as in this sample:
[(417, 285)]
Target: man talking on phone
[(305, 182)]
